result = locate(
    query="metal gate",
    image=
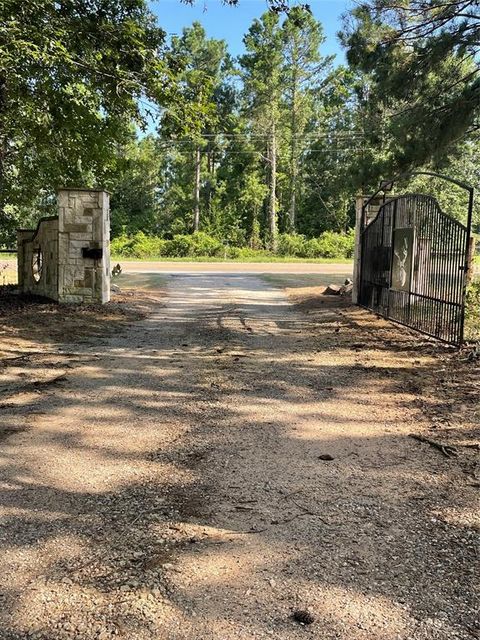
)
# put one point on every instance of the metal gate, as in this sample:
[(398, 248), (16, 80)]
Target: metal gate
[(414, 259)]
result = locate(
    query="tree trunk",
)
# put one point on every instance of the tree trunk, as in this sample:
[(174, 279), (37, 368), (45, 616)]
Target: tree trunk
[(211, 178), (3, 150), (272, 204), (293, 156), (196, 194), (3, 109)]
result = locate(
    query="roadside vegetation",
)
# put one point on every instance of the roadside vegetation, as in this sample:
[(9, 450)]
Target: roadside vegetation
[(329, 245), (265, 151), (472, 312)]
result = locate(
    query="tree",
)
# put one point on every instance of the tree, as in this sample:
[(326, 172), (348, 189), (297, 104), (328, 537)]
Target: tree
[(200, 65), (335, 158), (134, 182), (303, 75), (72, 77), (422, 57), (262, 91)]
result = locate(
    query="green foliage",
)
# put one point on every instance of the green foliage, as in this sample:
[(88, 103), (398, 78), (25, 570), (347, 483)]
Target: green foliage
[(71, 76), (331, 245), (138, 246), (421, 62), (291, 244), (202, 245), (197, 244), (328, 245), (266, 151), (135, 200), (472, 311)]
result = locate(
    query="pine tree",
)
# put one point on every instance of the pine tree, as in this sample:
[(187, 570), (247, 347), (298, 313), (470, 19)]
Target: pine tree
[(200, 64), (262, 92), (304, 72)]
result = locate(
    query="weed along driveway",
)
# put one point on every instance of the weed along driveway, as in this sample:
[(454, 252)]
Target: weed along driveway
[(236, 464)]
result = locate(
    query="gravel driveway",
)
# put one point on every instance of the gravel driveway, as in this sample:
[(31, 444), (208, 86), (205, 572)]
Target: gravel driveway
[(237, 456)]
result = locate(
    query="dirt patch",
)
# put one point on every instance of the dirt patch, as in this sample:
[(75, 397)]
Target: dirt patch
[(34, 320), (238, 465), (446, 390), (307, 299)]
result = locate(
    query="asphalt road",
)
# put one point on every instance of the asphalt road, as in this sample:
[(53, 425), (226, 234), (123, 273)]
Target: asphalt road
[(237, 267)]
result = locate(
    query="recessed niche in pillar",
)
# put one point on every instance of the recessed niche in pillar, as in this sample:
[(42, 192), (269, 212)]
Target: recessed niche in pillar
[(37, 264)]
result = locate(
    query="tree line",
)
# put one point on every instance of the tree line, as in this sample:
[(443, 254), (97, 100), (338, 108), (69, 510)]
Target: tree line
[(188, 138)]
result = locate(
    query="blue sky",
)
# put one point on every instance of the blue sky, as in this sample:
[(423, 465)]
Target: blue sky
[(230, 23)]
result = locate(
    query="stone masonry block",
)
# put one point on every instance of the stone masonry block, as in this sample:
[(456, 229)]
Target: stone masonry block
[(73, 299), (86, 238), (75, 228), (89, 278), (62, 199)]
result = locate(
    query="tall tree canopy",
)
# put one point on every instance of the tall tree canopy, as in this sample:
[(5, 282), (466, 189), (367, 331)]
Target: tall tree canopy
[(422, 59), (276, 141), (73, 74)]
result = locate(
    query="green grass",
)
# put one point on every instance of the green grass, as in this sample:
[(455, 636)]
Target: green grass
[(263, 258)]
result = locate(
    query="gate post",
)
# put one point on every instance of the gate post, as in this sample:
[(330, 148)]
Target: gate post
[(470, 257), (83, 245), (357, 255)]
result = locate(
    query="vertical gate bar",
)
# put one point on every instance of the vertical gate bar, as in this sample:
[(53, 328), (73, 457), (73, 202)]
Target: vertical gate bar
[(440, 276), (450, 320), (459, 282), (466, 264), (426, 276), (362, 251), (446, 266), (441, 320), (457, 293), (394, 224), (431, 265), (425, 271), (424, 268), (412, 218)]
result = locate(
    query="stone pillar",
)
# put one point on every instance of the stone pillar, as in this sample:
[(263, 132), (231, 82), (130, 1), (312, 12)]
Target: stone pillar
[(83, 245), (23, 254), (357, 255)]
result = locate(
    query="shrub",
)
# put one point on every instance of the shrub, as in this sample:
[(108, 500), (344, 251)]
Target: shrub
[(205, 245), (472, 311), (200, 244), (120, 246), (331, 245), (291, 244), (147, 246), (138, 246), (195, 245), (178, 247)]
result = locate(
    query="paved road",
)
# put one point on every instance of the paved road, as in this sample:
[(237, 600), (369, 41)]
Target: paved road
[(237, 267)]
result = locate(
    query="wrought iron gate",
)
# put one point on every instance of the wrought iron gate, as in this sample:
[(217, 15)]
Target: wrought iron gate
[(413, 265)]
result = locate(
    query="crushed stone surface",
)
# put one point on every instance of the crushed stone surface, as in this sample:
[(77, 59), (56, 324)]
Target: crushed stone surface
[(236, 465)]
